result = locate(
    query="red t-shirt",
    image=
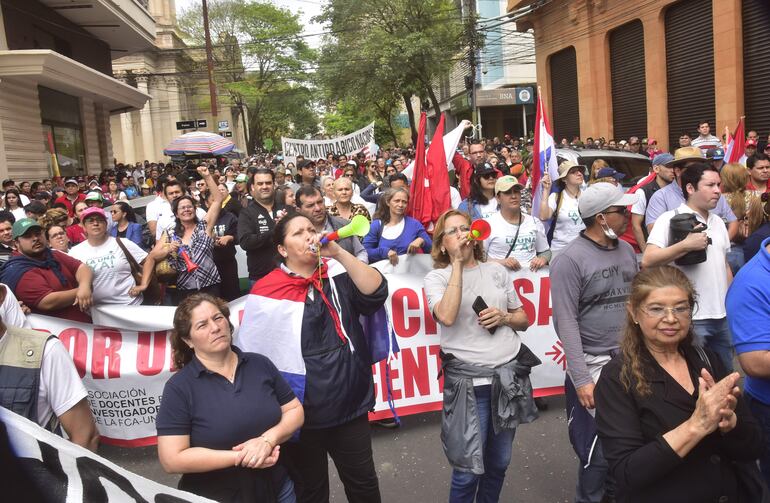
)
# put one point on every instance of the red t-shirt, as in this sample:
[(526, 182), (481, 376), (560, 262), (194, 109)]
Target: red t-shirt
[(76, 234), (36, 283), (750, 186), (69, 204)]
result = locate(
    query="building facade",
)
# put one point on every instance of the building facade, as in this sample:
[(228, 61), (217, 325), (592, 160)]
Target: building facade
[(651, 70), (168, 73), (57, 92)]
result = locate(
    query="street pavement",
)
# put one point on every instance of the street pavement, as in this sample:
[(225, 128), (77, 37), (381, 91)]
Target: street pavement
[(412, 466)]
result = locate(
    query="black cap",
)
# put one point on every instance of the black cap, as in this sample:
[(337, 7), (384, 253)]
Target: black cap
[(305, 163), (482, 168)]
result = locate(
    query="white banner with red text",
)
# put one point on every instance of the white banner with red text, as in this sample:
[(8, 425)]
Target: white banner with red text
[(125, 359)]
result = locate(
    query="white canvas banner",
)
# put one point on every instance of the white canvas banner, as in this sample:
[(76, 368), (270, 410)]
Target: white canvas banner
[(318, 149), (125, 358)]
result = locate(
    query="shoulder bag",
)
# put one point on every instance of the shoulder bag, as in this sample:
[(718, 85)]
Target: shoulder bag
[(152, 295)]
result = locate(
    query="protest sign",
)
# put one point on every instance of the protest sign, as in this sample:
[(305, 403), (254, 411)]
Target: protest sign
[(318, 149), (125, 358), (62, 471)]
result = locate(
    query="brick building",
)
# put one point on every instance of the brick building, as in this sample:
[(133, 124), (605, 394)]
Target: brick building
[(654, 68)]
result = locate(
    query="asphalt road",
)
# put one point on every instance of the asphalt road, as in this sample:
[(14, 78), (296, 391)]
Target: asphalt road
[(412, 467)]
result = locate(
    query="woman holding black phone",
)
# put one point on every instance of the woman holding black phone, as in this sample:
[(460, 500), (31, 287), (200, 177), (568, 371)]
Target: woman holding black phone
[(483, 360)]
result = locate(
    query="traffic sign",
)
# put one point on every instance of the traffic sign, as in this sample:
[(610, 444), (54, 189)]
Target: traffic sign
[(202, 123), (524, 96), (185, 125), (223, 125)]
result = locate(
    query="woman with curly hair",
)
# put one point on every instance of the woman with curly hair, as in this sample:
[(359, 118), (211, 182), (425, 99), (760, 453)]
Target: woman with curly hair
[(671, 421), (746, 206)]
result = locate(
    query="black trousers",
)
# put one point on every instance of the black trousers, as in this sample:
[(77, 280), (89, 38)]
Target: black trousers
[(350, 447)]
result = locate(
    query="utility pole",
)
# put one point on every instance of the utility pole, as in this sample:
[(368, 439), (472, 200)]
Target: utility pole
[(470, 80), (209, 61)]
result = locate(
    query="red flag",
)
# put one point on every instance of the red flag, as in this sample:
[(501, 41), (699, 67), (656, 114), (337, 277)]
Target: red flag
[(736, 147), (420, 200), (438, 173)]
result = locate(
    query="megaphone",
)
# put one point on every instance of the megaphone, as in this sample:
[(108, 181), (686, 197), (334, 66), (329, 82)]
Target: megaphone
[(480, 230), (191, 266), (358, 226)]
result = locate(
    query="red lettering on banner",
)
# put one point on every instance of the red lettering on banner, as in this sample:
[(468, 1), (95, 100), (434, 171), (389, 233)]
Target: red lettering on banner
[(155, 342), (414, 372), (522, 286), (430, 323), (76, 342), (545, 312), (434, 351), (384, 381), (107, 342), (403, 326)]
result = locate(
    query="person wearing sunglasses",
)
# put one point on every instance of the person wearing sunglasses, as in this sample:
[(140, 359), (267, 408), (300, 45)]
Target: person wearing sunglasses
[(481, 202), (590, 282)]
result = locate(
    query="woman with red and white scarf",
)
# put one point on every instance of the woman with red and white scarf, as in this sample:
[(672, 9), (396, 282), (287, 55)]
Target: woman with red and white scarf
[(304, 316)]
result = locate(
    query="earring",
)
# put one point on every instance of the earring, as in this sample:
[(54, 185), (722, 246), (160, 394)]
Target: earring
[(443, 251)]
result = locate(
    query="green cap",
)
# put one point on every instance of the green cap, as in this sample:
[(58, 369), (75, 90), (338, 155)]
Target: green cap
[(242, 178), (20, 227)]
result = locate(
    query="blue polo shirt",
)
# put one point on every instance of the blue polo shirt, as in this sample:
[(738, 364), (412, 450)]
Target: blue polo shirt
[(748, 312), (218, 414)]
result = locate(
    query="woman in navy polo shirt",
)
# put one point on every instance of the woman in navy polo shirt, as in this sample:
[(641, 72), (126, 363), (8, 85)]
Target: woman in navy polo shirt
[(225, 413)]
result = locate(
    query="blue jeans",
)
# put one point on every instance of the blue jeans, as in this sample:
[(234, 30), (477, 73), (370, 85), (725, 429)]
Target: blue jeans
[(735, 257), (497, 456), (761, 413), (286, 492), (714, 334)]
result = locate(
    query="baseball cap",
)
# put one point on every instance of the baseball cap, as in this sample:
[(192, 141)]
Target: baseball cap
[(352, 163), (483, 168), (506, 183), (94, 195), (610, 172), (92, 211), (716, 154), (751, 143), (70, 180), (242, 178), (685, 154), (305, 163), (566, 166), (600, 196), (650, 141), (20, 227), (662, 159)]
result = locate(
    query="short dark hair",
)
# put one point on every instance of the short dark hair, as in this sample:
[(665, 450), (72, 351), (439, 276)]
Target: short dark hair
[(35, 207), (262, 171), (398, 176), (183, 324), (693, 174), (752, 160), (174, 183), (8, 182), (7, 216), (684, 133), (701, 122), (305, 190)]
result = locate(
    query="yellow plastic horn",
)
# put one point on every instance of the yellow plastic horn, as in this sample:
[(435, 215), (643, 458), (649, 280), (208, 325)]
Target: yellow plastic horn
[(358, 226)]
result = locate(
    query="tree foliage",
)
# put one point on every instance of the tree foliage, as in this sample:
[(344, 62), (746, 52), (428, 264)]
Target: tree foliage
[(261, 62), (383, 52)]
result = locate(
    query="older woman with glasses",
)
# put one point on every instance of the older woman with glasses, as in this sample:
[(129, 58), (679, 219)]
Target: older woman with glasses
[(671, 420), (57, 238), (487, 391)]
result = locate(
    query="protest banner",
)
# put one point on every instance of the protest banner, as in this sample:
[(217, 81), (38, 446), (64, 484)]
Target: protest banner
[(318, 149), (65, 472), (125, 358)]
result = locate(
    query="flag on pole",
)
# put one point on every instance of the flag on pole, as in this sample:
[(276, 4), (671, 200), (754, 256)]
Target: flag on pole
[(437, 182), (736, 145), (420, 201), (544, 152)]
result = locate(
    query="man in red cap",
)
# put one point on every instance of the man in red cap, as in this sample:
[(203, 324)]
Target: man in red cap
[(751, 147), (71, 197)]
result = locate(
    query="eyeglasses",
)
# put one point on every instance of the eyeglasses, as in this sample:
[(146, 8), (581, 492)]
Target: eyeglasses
[(57, 235), (681, 312), (624, 211), (456, 231), (488, 176)]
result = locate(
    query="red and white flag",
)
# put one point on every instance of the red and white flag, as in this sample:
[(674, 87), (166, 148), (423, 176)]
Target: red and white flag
[(736, 145)]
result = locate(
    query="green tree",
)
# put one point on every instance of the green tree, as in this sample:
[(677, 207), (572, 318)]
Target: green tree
[(391, 49), (261, 62)]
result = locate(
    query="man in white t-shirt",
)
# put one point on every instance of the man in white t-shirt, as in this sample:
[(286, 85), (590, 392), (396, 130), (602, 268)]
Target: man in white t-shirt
[(516, 240), (700, 184), (38, 380), (102, 253), (705, 139)]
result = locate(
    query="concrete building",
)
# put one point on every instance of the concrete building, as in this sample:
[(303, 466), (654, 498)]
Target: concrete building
[(169, 72), (57, 91), (651, 69), (505, 64)]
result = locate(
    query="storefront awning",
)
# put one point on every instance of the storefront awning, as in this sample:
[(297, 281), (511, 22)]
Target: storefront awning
[(51, 69)]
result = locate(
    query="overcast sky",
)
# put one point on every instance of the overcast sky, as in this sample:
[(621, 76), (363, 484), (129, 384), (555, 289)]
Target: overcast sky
[(307, 8)]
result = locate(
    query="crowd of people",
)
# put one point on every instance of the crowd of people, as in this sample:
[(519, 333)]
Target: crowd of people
[(654, 407)]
